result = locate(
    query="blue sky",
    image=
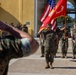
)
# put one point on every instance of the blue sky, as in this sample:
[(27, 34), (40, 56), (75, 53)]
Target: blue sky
[(69, 5)]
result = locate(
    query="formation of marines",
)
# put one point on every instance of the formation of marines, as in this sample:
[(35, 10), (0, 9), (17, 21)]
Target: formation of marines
[(23, 28), (49, 41), (74, 41)]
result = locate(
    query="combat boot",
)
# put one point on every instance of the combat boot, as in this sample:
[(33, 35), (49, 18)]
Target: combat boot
[(73, 56), (42, 55), (63, 56), (47, 66), (51, 66)]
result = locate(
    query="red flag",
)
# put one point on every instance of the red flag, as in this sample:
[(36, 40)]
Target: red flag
[(59, 10)]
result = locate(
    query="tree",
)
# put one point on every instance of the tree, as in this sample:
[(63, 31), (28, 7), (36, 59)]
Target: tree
[(67, 18)]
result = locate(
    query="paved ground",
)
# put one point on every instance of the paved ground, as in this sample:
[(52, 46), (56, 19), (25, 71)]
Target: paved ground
[(35, 65)]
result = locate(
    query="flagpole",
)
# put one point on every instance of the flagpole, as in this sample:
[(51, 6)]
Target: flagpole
[(65, 26)]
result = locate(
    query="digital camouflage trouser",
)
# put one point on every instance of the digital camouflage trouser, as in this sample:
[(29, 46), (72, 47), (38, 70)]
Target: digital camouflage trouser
[(50, 48), (64, 46), (74, 48)]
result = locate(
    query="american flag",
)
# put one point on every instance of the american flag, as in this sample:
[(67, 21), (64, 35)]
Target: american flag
[(50, 5), (53, 22), (46, 11), (58, 11)]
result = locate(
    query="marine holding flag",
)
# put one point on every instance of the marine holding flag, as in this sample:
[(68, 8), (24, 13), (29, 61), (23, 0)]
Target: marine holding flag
[(48, 8), (49, 35), (57, 11), (42, 18)]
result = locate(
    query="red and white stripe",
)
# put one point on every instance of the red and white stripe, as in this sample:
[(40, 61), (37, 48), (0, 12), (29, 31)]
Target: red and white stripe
[(45, 13), (54, 26)]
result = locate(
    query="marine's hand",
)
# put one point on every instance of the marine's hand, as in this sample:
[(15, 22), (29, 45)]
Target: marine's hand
[(39, 31)]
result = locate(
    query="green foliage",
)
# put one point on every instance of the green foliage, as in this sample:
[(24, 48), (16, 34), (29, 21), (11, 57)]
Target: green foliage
[(68, 19)]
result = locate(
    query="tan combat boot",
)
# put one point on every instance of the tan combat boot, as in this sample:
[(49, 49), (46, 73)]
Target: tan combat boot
[(73, 56), (63, 56), (51, 66), (47, 66)]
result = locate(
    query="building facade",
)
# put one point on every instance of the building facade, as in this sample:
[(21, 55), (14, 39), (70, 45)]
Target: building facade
[(23, 11)]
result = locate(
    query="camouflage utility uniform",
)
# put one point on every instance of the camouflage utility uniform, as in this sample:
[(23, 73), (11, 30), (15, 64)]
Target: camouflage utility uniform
[(24, 28), (42, 40), (56, 44), (50, 48), (74, 43), (10, 47), (64, 44)]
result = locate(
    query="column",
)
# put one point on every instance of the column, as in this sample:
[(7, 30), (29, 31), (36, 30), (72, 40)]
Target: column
[(21, 11)]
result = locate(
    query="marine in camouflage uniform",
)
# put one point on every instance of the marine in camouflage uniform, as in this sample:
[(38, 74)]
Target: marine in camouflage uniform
[(64, 43), (56, 45), (16, 45), (10, 47), (18, 26), (74, 41), (59, 33), (25, 28), (42, 40), (50, 48)]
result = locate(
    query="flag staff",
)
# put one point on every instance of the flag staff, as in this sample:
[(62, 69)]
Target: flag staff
[(65, 26)]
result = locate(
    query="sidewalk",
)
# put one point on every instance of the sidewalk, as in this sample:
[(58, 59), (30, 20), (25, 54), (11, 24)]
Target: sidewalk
[(35, 65)]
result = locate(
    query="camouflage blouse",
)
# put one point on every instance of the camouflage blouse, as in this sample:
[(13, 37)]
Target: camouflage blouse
[(11, 47)]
